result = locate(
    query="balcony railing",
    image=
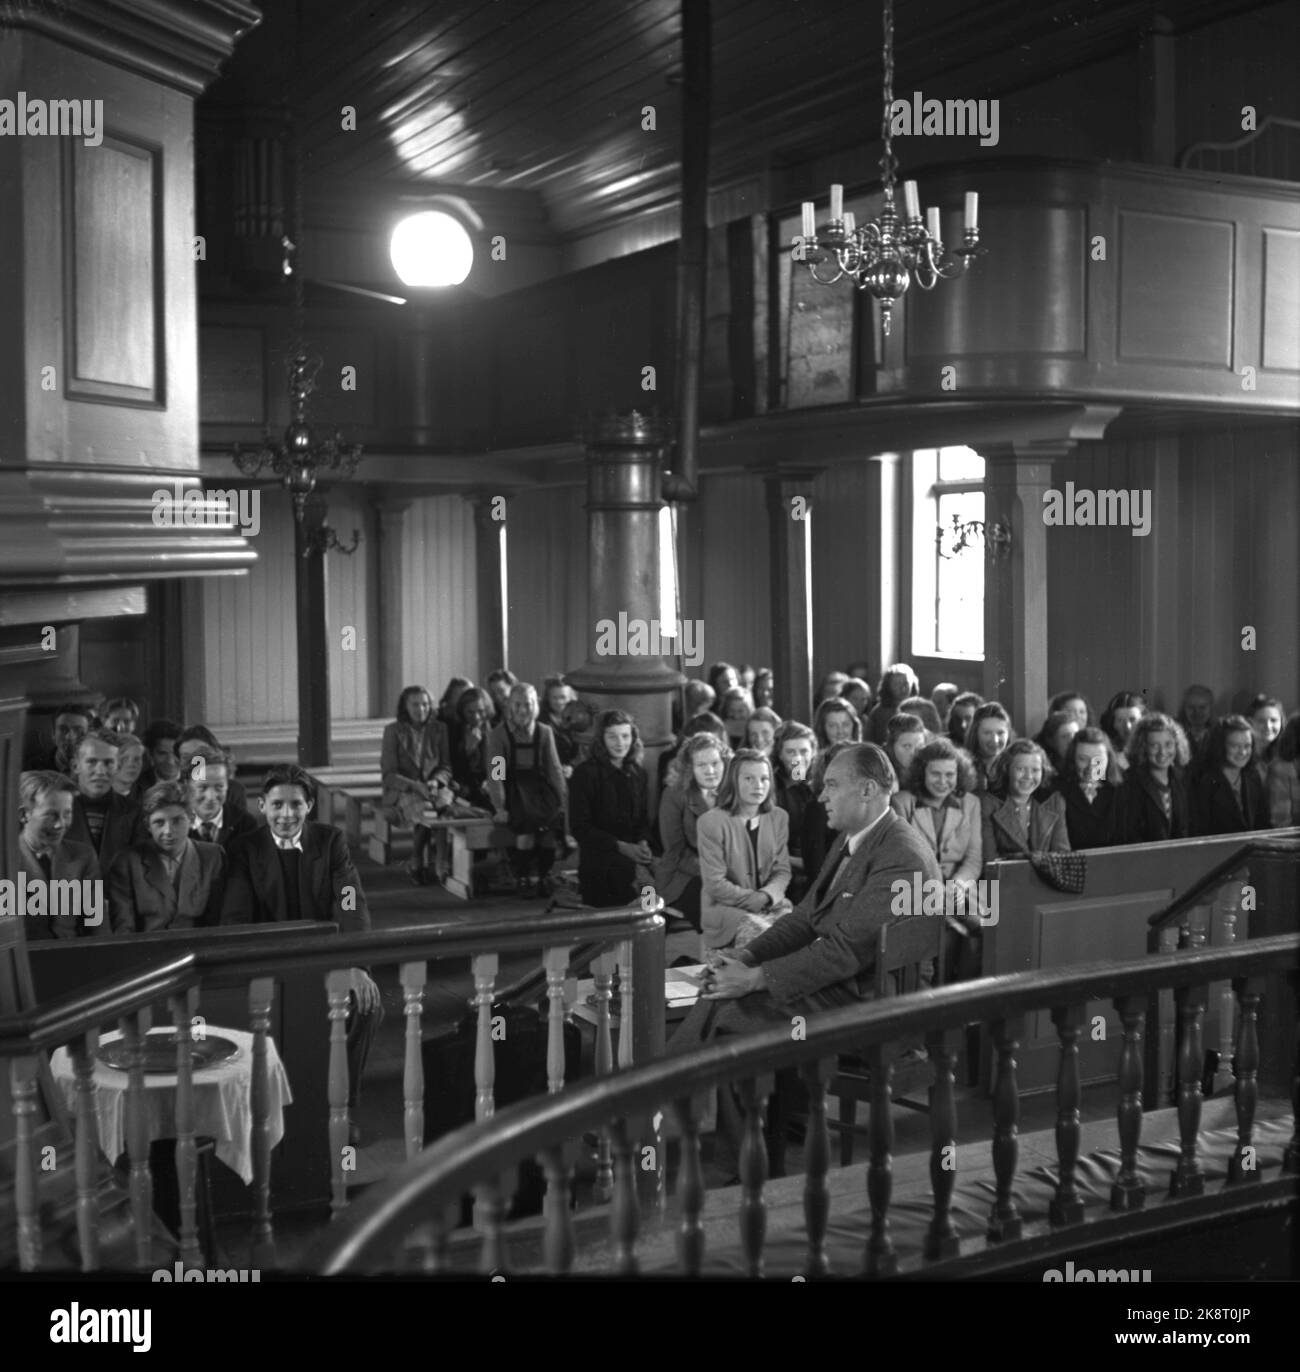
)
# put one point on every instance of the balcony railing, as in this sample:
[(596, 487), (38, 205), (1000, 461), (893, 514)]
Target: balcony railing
[(611, 943), (375, 1235)]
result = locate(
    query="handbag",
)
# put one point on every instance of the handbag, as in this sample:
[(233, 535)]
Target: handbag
[(1062, 871), (1065, 872)]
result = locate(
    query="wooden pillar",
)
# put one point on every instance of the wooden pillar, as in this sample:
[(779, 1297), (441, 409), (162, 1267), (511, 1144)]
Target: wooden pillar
[(1158, 92), (313, 641), (883, 641), (490, 559), (789, 524), (625, 670), (390, 516), (1015, 580)]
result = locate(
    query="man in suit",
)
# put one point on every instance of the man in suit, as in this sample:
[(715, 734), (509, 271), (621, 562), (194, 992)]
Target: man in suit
[(168, 880), (822, 954), (295, 869), (100, 817), (215, 817), (46, 854)]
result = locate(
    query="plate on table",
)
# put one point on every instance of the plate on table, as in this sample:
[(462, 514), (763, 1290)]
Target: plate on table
[(160, 1053)]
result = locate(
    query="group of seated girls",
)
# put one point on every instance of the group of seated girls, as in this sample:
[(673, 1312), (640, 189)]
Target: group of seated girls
[(742, 830)]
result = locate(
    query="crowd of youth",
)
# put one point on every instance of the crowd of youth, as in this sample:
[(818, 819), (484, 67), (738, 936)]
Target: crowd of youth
[(741, 828)]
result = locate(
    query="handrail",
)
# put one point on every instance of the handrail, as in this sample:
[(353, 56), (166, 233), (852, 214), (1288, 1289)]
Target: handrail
[(262, 951), (1217, 875), (449, 1167)]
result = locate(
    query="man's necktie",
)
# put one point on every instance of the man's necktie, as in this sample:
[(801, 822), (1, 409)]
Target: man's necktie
[(208, 832)]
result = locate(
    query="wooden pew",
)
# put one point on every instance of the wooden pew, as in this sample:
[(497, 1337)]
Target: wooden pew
[(1040, 928)]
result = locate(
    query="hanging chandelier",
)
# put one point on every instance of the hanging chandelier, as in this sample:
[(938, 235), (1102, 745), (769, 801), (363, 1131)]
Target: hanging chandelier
[(884, 255), (299, 459)]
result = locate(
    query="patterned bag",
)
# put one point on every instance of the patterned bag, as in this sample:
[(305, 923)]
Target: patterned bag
[(1062, 871)]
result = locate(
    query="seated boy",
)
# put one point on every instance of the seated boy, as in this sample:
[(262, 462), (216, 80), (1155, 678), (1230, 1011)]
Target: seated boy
[(46, 854), (217, 819), (296, 869), (166, 881)]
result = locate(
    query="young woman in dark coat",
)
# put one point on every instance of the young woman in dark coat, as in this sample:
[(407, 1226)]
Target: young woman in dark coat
[(469, 746), (1153, 799), (1087, 786), (609, 813), (1227, 794)]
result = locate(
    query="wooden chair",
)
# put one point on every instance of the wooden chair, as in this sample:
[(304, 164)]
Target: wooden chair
[(906, 950)]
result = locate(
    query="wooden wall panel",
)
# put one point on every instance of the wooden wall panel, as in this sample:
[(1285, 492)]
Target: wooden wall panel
[(439, 629), (1095, 608), (842, 582), (250, 633), (1228, 526), (1281, 346), (547, 624), (1183, 258), (1241, 563), (736, 600), (114, 272), (353, 669)]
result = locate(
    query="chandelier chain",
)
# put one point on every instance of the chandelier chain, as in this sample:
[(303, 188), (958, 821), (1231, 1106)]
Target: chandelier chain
[(888, 163)]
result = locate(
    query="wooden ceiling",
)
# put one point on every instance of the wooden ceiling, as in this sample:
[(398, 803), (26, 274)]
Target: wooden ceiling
[(545, 97)]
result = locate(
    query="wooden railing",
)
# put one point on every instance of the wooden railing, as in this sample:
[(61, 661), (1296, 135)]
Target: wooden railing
[(1206, 914), (608, 941), (375, 1235)]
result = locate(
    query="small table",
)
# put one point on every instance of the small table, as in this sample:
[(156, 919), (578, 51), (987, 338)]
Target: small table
[(222, 1099)]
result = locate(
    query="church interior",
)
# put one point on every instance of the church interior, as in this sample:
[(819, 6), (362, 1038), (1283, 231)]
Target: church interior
[(848, 420)]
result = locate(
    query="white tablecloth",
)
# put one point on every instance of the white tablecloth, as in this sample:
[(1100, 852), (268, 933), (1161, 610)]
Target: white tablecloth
[(223, 1107)]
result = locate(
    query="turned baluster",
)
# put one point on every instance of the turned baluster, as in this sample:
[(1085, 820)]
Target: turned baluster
[(624, 1215), (337, 987), (1291, 1158), (261, 992), (22, 1093), (690, 1186), (1187, 1178), (556, 962), (413, 976), (1227, 906), (485, 968), (1165, 1026), (626, 992), (1004, 1219), (882, 1261), (134, 1029), (1245, 1093), (602, 971), (753, 1173), (182, 1008), (489, 1212), (83, 1052), (817, 1165), (558, 1239), (941, 1241), (1066, 1206), (1129, 1191)]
